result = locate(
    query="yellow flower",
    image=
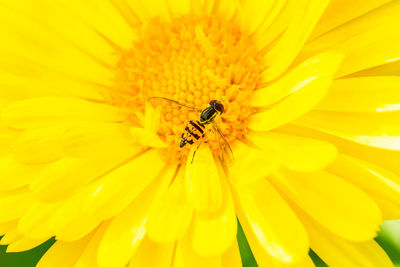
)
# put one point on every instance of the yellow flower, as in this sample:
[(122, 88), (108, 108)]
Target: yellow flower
[(88, 155)]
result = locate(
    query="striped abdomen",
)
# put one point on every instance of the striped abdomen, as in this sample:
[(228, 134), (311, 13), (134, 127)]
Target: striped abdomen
[(194, 131)]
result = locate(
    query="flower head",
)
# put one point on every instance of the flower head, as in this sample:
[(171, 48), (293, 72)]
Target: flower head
[(103, 145)]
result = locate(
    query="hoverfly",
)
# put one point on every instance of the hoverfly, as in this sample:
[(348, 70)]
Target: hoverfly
[(196, 130)]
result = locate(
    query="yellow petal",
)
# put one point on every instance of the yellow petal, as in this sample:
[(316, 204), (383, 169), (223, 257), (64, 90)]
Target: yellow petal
[(251, 14), (122, 185), (35, 222), (190, 258), (64, 254), (11, 235), (203, 185), (321, 66), (104, 18), (311, 91), (384, 158), (13, 204), (146, 138), (274, 26), (96, 140), (179, 7), (363, 94), (127, 229), (145, 254), (76, 224), (231, 257), (24, 243), (391, 68), (271, 220), (213, 233), (297, 153), (38, 43), (40, 145), (65, 176), (16, 85), (41, 111), (373, 32), (279, 57), (373, 129), (337, 251), (333, 202), (14, 174), (89, 254), (67, 27), (340, 12), (225, 8), (7, 226), (379, 183), (252, 164), (170, 217), (7, 137)]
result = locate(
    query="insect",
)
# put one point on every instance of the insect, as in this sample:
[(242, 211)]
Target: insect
[(196, 130)]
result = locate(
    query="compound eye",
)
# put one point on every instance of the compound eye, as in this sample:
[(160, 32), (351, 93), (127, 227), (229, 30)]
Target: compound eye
[(219, 107), (212, 102)]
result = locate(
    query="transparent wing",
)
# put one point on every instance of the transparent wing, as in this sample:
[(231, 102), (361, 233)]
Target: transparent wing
[(176, 102), (227, 156)]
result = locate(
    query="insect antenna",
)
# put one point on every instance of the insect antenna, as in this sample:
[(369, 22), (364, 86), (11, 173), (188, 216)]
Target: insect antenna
[(176, 102)]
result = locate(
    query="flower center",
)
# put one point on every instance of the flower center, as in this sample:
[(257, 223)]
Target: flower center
[(191, 60)]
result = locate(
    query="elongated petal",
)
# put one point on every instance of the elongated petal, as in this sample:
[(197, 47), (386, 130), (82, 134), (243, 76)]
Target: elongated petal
[(146, 138), (62, 178), (67, 27), (213, 233), (40, 145), (35, 222), (271, 220), (178, 7), (88, 258), (339, 12), (35, 42), (104, 18), (337, 251), (96, 140), (127, 229), (186, 256), (312, 90), (270, 30), (14, 204), (364, 94), (253, 13), (285, 50), (357, 38), (24, 243), (69, 252), (203, 186), (128, 181), (40, 111), (352, 214), (321, 66), (373, 129), (14, 174), (145, 254), (380, 184), (231, 258), (169, 218), (297, 153), (252, 164)]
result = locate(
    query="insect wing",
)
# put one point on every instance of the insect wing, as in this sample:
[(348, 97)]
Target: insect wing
[(227, 156)]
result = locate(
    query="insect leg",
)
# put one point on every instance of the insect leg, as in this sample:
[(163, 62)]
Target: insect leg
[(194, 153)]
